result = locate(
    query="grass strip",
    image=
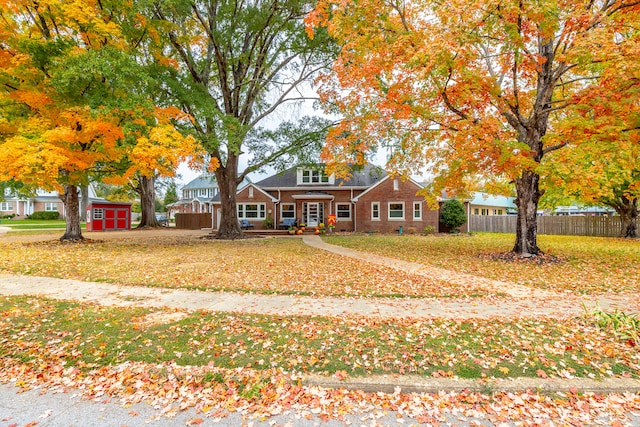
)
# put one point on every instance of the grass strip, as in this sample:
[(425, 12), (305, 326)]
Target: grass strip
[(89, 337)]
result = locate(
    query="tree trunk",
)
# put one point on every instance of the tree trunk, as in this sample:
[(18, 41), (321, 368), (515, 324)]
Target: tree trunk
[(147, 191), (528, 195), (84, 191), (72, 207), (628, 211), (227, 178)]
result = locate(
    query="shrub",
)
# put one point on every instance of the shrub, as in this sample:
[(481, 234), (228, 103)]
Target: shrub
[(452, 214), (8, 216), (44, 215), (429, 229), (268, 222)]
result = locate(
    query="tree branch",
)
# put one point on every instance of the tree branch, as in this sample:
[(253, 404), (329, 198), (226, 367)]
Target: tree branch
[(555, 147)]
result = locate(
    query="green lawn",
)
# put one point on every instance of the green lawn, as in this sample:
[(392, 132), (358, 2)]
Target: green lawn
[(42, 332), (285, 266), (88, 337), (34, 224), (588, 265)]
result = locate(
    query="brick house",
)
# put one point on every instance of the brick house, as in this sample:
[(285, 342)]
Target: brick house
[(370, 201)]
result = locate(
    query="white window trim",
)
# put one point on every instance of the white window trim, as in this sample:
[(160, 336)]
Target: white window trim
[(98, 213), (6, 206), (373, 218), (419, 205), (338, 218), (389, 211), (242, 211), (287, 204), (396, 185), (49, 205)]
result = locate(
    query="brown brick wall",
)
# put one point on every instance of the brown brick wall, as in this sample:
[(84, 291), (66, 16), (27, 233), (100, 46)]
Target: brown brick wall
[(384, 193), (258, 197), (40, 206)]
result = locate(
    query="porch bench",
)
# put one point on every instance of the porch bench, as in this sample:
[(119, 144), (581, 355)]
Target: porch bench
[(245, 225)]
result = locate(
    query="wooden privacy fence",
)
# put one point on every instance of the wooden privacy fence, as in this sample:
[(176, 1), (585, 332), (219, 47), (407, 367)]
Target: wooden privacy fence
[(193, 221), (605, 226)]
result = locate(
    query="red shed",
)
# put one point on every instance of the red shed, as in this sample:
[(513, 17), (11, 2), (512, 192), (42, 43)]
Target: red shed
[(108, 216)]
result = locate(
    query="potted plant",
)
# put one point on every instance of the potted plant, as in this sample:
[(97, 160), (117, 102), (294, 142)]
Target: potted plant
[(292, 229)]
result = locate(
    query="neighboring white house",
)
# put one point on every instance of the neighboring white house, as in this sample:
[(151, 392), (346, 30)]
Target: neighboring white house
[(48, 201), (488, 205), (197, 195), (582, 211)]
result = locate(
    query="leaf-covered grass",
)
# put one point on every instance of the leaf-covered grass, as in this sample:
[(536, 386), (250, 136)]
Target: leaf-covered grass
[(89, 337), (285, 266), (589, 265)]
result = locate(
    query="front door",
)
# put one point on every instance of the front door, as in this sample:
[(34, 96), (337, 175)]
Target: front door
[(313, 214)]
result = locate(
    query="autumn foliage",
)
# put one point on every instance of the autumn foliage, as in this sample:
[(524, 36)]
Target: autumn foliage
[(74, 102), (475, 91)]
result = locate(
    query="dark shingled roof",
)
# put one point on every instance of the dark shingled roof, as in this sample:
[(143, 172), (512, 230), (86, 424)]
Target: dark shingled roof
[(364, 176)]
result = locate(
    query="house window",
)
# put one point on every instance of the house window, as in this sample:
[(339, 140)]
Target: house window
[(251, 192), (6, 206), (312, 176), (396, 211), (417, 210), (203, 192), (98, 213), (287, 210), (497, 211), (396, 185), (51, 207), (343, 211), (485, 211), (252, 211), (375, 211), (476, 211)]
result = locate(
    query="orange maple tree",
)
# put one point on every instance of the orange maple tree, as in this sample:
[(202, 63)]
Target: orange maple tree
[(74, 107), (608, 155), (469, 88)]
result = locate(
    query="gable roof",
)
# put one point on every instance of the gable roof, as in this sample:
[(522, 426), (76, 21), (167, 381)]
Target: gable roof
[(411, 180), (365, 177), (202, 181)]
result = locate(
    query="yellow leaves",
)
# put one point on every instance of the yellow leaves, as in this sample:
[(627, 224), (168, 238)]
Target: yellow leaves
[(214, 164), (162, 151)]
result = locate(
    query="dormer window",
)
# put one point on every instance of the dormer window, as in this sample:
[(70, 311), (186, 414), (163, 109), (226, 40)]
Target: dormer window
[(313, 176)]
